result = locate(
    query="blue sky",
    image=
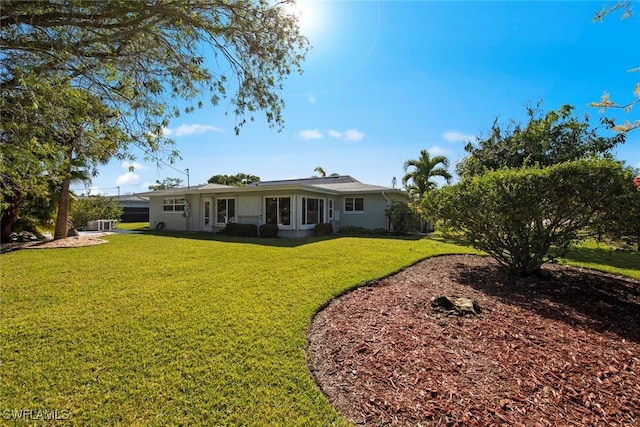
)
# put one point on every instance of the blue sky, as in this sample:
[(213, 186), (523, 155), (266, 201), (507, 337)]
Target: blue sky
[(387, 79)]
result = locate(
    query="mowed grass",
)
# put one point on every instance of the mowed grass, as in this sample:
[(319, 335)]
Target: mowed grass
[(179, 330), (133, 226)]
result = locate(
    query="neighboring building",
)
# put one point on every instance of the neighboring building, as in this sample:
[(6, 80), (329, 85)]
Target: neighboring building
[(296, 205), (135, 208)]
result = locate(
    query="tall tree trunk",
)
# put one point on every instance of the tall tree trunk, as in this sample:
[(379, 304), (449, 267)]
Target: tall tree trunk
[(62, 219), (10, 217)]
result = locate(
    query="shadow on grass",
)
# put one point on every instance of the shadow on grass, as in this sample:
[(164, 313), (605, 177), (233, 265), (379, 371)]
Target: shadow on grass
[(579, 297), (281, 242), (450, 239), (604, 255)]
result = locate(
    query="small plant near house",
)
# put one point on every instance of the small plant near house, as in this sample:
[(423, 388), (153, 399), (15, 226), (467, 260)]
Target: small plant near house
[(240, 230), (323, 229), (268, 230), (403, 218)]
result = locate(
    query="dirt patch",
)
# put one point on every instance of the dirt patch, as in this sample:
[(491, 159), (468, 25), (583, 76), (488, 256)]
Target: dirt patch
[(559, 350)]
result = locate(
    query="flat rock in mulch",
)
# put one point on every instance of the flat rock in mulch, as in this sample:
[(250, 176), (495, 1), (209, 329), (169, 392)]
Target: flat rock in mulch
[(460, 305), (558, 350)]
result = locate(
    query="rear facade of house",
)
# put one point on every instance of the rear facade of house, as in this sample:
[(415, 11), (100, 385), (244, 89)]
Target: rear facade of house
[(296, 206)]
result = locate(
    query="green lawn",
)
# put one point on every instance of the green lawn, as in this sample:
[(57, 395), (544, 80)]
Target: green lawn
[(184, 330), (137, 226), (164, 330)]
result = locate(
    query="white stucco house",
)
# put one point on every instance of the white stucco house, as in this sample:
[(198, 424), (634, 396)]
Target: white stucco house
[(295, 205)]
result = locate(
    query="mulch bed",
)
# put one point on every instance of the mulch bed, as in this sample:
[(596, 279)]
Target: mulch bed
[(69, 242), (561, 349)]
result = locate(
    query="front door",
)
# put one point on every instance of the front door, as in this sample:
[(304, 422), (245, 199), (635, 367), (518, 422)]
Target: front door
[(207, 214)]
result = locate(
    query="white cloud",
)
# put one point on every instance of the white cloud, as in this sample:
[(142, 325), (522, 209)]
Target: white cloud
[(195, 129), (348, 135), (353, 135), (135, 165), (128, 178), (192, 129), (310, 134), (455, 136)]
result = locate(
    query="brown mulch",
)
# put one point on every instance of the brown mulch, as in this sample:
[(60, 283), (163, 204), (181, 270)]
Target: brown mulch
[(563, 349)]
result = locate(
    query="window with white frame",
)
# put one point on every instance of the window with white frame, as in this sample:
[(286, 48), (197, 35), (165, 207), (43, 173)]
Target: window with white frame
[(330, 202), (174, 204), (225, 211), (312, 211), (278, 210), (353, 205)]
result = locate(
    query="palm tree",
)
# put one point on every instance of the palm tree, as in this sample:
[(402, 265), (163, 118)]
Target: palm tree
[(73, 170), (423, 170), (322, 172)]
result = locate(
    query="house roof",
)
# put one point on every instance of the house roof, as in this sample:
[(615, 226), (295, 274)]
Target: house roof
[(129, 198), (336, 179), (122, 198), (330, 184)]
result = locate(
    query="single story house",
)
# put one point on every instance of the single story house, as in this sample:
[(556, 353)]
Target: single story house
[(295, 205)]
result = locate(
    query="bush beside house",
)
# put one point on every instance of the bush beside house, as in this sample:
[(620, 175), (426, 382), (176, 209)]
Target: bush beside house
[(323, 229), (240, 230), (268, 230)]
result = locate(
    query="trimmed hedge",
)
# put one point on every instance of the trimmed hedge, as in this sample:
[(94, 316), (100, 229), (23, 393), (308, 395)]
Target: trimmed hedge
[(268, 230), (323, 229), (240, 230)]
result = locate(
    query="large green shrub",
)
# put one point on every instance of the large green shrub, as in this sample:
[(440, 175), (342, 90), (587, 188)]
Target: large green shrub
[(91, 208), (526, 216)]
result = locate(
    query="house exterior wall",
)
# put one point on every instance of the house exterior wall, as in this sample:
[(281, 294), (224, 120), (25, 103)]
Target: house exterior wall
[(372, 216), (187, 220), (194, 220), (250, 209)]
